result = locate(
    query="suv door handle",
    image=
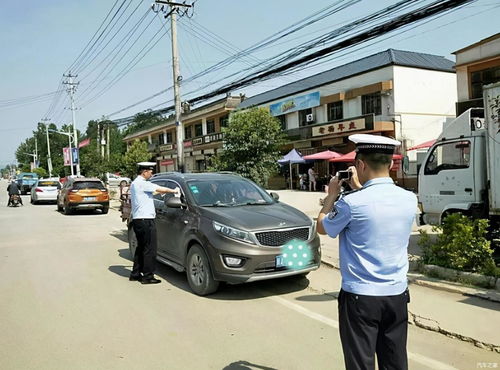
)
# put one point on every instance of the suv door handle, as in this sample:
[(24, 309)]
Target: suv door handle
[(468, 190)]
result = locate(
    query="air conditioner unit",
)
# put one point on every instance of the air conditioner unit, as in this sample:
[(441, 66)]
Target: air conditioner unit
[(310, 117)]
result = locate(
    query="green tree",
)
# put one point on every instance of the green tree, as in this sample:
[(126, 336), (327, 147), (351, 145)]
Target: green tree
[(41, 172), (143, 121), (138, 152), (252, 142)]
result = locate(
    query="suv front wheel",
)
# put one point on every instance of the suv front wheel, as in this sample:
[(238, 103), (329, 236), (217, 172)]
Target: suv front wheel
[(199, 274)]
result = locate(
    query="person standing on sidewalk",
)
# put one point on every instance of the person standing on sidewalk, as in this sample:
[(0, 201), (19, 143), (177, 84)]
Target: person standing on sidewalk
[(312, 179), (143, 223), (374, 222)]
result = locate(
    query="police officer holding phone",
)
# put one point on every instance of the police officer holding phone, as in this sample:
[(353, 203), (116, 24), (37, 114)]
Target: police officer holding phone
[(374, 223)]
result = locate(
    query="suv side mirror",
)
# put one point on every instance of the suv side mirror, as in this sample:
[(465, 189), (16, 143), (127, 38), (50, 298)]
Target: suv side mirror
[(174, 202), (274, 195)]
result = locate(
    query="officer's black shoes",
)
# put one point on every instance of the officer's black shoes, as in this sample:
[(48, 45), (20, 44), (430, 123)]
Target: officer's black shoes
[(150, 281), (135, 278)]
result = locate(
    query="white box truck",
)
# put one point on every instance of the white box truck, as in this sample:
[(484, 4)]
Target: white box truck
[(461, 172)]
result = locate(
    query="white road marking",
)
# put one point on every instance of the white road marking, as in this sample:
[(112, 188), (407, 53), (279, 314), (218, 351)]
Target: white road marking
[(433, 364)]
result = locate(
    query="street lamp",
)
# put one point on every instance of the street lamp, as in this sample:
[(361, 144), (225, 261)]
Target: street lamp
[(70, 138)]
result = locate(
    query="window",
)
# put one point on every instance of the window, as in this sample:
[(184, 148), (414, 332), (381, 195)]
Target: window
[(335, 110), (224, 121), (282, 120), (210, 126), (483, 77), (188, 132), (169, 137), (303, 117), (161, 138), (198, 129), (372, 104), (448, 156)]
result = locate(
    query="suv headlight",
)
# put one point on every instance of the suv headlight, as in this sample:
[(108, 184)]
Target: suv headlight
[(233, 233)]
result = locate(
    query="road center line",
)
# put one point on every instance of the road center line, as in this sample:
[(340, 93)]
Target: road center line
[(433, 364)]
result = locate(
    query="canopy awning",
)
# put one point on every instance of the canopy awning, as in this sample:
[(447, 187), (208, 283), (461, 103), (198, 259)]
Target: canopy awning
[(424, 145), (293, 156), (327, 154), (349, 157)]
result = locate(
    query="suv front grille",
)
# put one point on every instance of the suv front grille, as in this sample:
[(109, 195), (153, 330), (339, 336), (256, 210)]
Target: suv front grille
[(279, 238)]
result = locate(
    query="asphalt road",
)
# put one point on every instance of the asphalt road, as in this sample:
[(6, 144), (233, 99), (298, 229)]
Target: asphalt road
[(66, 303)]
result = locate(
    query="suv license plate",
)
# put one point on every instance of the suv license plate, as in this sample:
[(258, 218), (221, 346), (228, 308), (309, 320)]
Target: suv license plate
[(280, 261), (88, 198)]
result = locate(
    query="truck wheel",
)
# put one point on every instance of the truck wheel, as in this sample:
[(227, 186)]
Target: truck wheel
[(199, 273)]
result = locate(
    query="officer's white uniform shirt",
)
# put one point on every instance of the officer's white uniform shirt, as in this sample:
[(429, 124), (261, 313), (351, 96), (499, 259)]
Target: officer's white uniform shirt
[(374, 224), (141, 195)]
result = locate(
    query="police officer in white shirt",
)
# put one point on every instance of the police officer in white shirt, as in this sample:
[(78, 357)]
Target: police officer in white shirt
[(374, 223), (143, 222)]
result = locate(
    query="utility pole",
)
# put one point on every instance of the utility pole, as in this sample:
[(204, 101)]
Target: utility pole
[(49, 158), (174, 9), (98, 138), (71, 91), (35, 159), (107, 140)]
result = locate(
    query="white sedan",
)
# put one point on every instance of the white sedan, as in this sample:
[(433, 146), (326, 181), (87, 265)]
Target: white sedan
[(45, 190)]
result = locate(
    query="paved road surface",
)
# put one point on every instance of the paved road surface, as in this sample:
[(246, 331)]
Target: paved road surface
[(66, 303)]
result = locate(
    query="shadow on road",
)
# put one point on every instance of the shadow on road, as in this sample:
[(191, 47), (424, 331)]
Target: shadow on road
[(245, 365), (483, 303), (226, 292), (121, 235)]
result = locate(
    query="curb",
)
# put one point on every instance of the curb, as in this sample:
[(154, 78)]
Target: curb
[(438, 284)]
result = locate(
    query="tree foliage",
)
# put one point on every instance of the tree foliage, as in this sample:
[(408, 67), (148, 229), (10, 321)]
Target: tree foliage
[(251, 145), (143, 121), (138, 152)]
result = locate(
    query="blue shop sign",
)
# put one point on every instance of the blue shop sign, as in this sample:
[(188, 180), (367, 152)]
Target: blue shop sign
[(295, 104), (75, 155)]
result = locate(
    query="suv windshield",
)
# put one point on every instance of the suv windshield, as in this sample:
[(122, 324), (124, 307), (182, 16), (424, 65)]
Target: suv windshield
[(227, 192), (88, 185)]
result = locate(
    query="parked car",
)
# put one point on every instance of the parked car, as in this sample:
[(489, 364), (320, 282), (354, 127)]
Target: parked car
[(83, 193), (226, 228), (45, 190), (25, 181), (116, 180)]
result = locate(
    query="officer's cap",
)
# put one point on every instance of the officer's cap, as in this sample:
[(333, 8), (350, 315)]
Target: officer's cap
[(146, 166), (366, 143)]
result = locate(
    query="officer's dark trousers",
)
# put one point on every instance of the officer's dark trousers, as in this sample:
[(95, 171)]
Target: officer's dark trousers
[(370, 325), (145, 254)]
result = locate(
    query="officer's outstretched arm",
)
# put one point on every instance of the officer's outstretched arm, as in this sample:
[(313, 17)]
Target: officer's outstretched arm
[(333, 193)]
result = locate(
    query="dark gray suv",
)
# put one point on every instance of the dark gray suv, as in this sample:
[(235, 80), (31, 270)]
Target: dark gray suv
[(226, 228)]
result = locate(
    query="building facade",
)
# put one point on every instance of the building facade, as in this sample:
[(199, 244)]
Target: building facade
[(477, 65), (394, 93), (202, 136)]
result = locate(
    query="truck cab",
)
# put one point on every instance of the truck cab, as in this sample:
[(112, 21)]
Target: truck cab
[(25, 181), (453, 177)]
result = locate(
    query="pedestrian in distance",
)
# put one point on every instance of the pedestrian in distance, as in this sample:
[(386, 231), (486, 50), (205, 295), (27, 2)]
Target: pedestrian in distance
[(143, 223), (374, 222), (312, 178), (13, 189)]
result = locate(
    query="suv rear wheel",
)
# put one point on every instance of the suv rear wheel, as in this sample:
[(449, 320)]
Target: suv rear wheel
[(199, 274)]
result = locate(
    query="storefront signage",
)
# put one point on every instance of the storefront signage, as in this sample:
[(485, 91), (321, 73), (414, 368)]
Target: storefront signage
[(167, 162), (339, 127), (295, 104), (208, 139), (187, 144), (166, 147)]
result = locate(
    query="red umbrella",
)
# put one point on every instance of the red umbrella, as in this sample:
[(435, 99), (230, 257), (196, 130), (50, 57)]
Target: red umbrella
[(327, 154), (425, 145), (349, 157)]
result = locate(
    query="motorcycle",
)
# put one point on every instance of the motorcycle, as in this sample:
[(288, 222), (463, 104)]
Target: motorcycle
[(14, 200)]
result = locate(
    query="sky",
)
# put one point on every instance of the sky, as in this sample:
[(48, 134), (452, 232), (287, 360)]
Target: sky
[(42, 39)]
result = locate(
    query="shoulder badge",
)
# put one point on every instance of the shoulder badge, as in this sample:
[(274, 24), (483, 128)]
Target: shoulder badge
[(333, 213)]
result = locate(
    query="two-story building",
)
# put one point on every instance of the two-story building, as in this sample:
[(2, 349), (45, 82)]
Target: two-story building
[(202, 135), (401, 94), (477, 65)]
